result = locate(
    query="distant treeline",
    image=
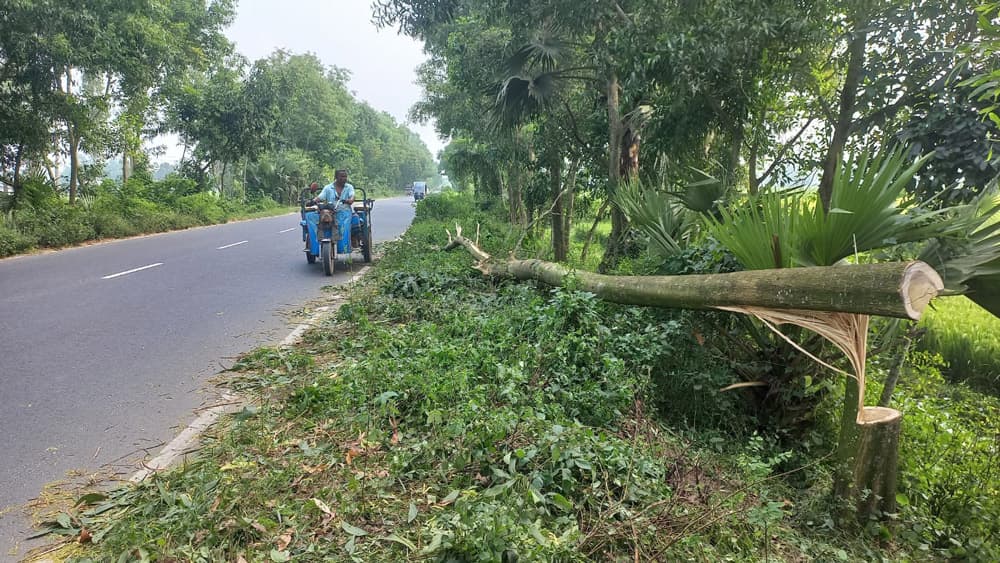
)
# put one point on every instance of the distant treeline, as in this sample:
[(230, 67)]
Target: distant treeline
[(82, 87)]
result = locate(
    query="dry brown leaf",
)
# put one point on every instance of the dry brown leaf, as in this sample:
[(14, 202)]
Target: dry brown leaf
[(328, 513), (259, 527), (241, 559), (311, 469), (285, 539), (84, 537), (395, 430), (699, 338)]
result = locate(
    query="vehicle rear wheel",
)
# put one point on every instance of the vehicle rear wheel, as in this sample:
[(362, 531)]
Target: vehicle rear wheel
[(326, 254), (366, 243)]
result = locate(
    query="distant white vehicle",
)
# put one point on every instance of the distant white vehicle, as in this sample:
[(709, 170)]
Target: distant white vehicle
[(419, 190)]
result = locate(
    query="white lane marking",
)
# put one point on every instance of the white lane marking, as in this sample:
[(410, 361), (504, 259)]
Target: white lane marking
[(132, 271), (232, 245), (286, 230)]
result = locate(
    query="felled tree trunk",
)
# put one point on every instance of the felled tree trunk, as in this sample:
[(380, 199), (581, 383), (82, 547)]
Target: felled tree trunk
[(894, 289)]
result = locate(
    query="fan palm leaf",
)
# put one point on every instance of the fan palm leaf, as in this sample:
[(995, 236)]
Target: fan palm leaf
[(762, 232), (968, 256), (867, 210), (659, 216)]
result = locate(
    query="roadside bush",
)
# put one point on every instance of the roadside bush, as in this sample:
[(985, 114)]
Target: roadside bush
[(261, 203), (172, 188), (58, 224), (446, 205), (110, 225), (204, 206), (13, 241)]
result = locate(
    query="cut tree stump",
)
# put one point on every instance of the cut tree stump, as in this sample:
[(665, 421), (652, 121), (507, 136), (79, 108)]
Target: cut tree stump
[(873, 490)]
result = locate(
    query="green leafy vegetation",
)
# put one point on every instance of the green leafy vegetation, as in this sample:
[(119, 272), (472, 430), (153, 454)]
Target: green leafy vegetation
[(968, 340), (114, 211)]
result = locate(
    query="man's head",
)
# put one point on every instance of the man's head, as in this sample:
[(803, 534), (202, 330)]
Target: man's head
[(340, 177), (313, 187)]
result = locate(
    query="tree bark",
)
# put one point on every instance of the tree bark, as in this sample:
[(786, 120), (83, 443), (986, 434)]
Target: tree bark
[(568, 203), (16, 184), (734, 154), (515, 195), (619, 224), (74, 161), (872, 489), (894, 289), (897, 366), (842, 129), (126, 168), (558, 220)]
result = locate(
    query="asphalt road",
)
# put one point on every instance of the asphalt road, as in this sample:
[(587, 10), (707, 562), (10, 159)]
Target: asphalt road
[(105, 349)]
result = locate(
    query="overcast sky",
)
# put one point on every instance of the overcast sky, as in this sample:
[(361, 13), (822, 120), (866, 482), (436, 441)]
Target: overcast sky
[(340, 33)]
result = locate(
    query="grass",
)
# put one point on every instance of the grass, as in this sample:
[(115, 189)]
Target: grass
[(968, 338)]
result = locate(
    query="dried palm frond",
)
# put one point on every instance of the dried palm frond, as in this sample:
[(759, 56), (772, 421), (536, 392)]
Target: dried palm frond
[(847, 331)]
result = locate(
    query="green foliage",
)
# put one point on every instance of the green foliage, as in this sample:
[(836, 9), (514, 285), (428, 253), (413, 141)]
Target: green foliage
[(660, 216), (968, 338), (949, 487), (12, 241), (113, 211), (203, 206), (446, 205), (780, 230)]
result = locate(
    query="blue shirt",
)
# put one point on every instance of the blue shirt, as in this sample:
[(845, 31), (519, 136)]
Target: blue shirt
[(329, 193)]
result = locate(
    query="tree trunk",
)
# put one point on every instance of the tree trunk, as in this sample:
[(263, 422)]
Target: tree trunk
[(593, 229), (570, 199), (753, 183), (619, 224), (897, 366), (734, 155), (126, 169), (16, 184), (871, 491), (515, 195), (848, 95), (558, 220), (74, 162), (847, 443), (894, 289)]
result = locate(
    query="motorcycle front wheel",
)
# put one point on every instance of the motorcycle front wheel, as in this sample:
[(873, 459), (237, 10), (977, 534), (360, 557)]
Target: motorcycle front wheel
[(326, 255)]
